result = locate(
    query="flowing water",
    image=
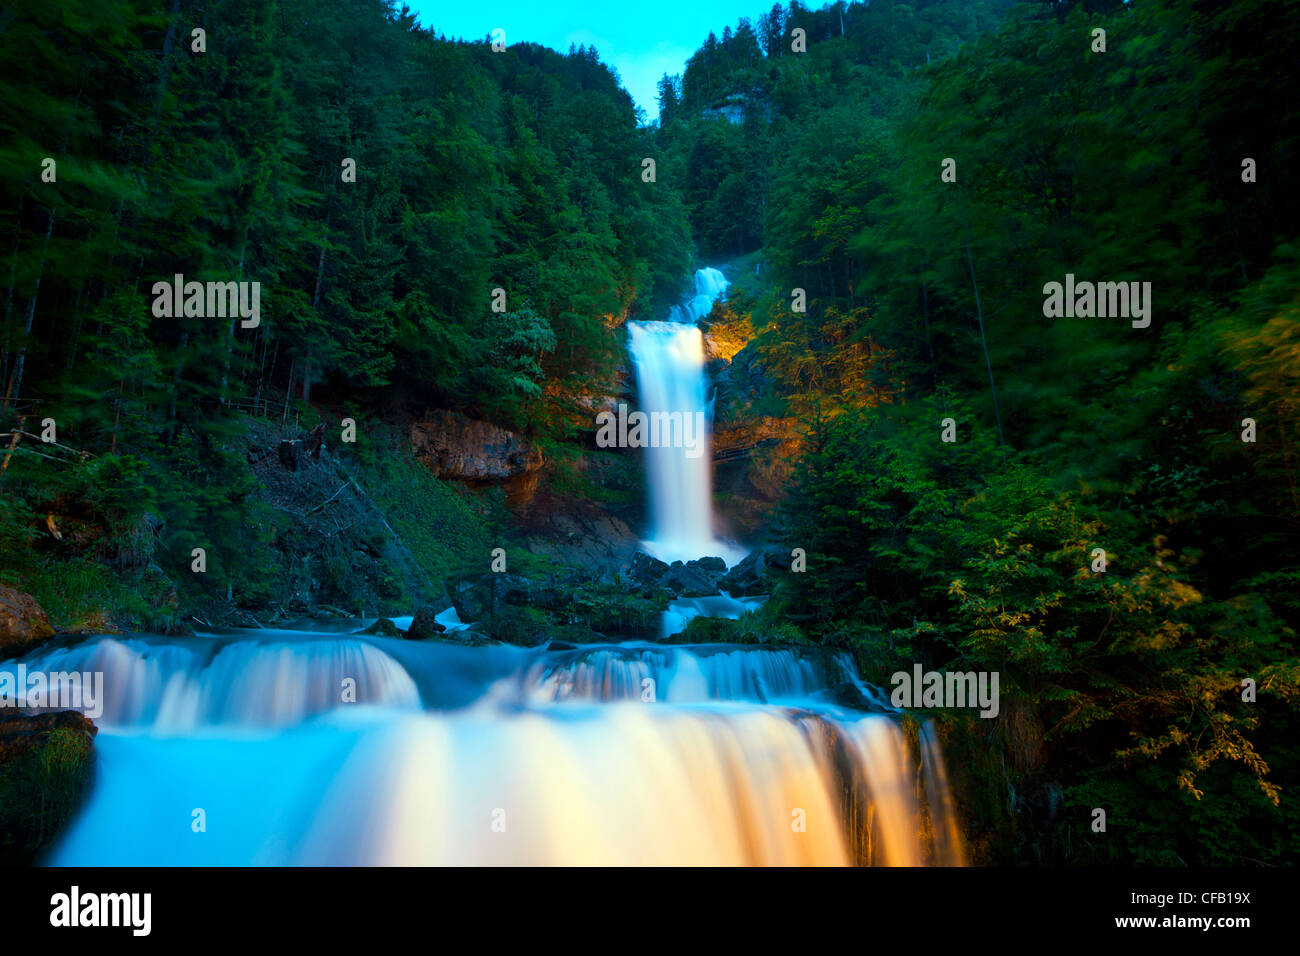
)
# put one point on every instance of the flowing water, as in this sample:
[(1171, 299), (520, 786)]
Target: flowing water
[(631, 753), (669, 362), (306, 747)]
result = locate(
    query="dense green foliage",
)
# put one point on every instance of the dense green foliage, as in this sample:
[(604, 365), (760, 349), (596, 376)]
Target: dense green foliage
[(1165, 159), (1122, 689), (473, 171)]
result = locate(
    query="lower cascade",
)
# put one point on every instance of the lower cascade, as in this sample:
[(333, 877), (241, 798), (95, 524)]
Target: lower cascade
[(298, 748)]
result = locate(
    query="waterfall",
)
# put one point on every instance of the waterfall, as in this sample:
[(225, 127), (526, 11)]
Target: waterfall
[(632, 753), (669, 362), (305, 748)]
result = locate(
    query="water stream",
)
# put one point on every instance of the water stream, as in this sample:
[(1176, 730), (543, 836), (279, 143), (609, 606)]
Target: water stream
[(302, 747), (631, 753)]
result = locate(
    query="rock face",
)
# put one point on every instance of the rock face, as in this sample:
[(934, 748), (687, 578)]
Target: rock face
[(723, 339), (23, 624), (424, 624), (754, 453), (477, 598), (458, 448), (753, 574), (646, 570), (698, 578), (595, 540)]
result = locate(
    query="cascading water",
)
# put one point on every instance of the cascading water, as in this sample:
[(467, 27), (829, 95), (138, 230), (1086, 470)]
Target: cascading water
[(669, 362), (307, 748), (614, 754)]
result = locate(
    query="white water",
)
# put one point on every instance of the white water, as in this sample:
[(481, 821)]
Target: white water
[(617, 754), (681, 611), (669, 362), (302, 748)]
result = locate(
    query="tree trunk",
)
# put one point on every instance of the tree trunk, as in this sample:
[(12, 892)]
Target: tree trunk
[(9, 300), (239, 275), (929, 341), (12, 395), (117, 416), (288, 390), (176, 387), (169, 43), (979, 313)]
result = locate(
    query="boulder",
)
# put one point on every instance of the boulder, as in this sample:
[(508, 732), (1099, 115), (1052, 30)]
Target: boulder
[(697, 578), (383, 628), (23, 624), (472, 638), (471, 597), (753, 574), (476, 598), (425, 625), (646, 570)]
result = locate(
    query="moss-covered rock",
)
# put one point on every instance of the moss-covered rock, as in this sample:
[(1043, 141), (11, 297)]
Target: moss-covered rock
[(383, 628), (46, 762)]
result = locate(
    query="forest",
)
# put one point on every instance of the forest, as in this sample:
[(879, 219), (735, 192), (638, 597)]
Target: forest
[(890, 188)]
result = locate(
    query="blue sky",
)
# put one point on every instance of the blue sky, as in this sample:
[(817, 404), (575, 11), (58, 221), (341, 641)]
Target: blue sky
[(642, 40)]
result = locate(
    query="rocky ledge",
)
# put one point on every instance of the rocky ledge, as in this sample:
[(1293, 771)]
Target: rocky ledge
[(463, 449), (23, 624)]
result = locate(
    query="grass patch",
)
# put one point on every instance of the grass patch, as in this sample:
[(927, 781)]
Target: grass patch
[(40, 791), (444, 532)]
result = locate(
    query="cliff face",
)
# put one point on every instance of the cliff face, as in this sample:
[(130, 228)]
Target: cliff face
[(457, 448), (753, 451)]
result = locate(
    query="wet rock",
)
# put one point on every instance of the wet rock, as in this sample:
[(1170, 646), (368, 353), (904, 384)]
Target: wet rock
[(585, 537), (23, 624), (471, 638), (697, 578), (425, 625), (476, 598), (753, 575), (645, 569), (383, 628)]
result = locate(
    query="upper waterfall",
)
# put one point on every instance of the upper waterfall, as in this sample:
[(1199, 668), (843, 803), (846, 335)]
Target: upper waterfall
[(671, 382)]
